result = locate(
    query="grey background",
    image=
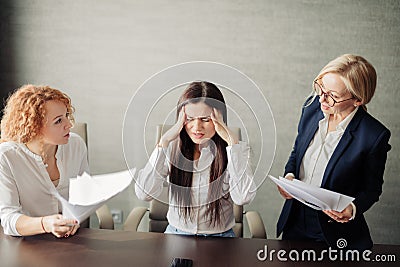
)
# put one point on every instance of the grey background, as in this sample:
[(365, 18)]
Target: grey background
[(99, 52)]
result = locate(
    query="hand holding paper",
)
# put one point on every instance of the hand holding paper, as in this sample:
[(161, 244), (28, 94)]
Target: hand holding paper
[(88, 193), (312, 196)]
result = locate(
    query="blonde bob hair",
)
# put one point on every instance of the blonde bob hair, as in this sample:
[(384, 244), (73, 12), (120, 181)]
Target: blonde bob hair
[(357, 73), (25, 113)]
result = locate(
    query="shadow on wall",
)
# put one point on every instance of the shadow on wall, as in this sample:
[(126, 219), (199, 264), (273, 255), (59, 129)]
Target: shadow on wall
[(7, 53)]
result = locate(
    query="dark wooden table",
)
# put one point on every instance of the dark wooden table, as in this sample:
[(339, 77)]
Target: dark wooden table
[(93, 247)]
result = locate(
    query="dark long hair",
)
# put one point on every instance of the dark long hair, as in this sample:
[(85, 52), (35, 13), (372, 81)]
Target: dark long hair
[(181, 174)]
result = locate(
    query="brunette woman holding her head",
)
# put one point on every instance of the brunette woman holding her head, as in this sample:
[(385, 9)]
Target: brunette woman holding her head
[(38, 155), (206, 166)]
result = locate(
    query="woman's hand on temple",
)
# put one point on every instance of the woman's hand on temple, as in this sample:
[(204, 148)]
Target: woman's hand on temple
[(174, 131), (221, 129)]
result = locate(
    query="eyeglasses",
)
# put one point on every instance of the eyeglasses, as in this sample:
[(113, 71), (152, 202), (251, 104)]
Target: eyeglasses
[(327, 96)]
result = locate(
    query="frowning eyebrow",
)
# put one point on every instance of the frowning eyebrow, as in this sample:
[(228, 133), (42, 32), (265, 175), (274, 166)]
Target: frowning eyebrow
[(59, 116), (56, 117), (199, 117), (329, 90)]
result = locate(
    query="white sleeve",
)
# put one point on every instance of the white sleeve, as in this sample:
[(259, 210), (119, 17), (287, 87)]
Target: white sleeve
[(242, 186), (10, 208), (354, 211), (149, 183)]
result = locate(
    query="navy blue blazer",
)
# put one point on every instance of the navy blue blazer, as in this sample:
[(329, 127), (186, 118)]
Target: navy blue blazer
[(355, 169)]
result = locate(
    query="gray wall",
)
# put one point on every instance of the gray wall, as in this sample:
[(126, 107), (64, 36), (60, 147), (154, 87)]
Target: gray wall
[(99, 52)]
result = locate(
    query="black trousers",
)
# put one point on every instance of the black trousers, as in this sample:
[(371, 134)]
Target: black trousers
[(303, 224)]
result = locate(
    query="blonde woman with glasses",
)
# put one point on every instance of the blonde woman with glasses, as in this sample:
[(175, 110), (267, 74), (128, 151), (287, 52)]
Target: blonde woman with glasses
[(340, 147)]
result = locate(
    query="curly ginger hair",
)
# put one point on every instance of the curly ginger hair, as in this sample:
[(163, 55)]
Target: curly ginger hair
[(25, 113)]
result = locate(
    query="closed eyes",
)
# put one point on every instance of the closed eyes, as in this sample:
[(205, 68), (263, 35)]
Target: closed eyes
[(203, 119)]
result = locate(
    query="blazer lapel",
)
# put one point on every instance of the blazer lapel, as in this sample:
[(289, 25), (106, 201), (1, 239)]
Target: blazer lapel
[(342, 145), (309, 135)]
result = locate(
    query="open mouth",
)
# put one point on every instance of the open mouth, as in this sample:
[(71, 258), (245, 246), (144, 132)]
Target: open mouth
[(198, 135)]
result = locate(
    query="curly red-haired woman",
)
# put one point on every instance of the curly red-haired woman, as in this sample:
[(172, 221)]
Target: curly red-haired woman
[(38, 155)]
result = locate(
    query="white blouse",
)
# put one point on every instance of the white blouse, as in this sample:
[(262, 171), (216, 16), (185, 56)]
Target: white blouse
[(238, 180), (320, 150), (25, 186)]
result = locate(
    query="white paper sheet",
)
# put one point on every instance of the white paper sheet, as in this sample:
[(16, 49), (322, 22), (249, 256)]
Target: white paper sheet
[(88, 193), (312, 196)]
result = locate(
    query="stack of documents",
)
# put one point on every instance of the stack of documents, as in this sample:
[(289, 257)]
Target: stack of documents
[(88, 193), (312, 196)]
